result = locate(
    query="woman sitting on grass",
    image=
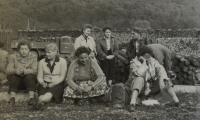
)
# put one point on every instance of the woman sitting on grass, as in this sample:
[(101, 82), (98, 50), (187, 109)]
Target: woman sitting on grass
[(143, 69), (21, 70), (51, 74), (85, 78)]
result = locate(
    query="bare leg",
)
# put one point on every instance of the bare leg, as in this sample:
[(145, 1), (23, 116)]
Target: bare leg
[(46, 97), (134, 97), (12, 94), (31, 94), (171, 92)]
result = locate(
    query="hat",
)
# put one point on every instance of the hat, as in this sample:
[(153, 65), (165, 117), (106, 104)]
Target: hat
[(136, 29), (1, 44)]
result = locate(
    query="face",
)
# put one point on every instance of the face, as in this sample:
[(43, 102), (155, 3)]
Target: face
[(147, 56), (50, 54), (83, 58), (87, 32), (135, 35), (24, 50), (108, 33)]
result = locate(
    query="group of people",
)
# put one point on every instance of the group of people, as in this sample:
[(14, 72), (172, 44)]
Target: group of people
[(92, 72)]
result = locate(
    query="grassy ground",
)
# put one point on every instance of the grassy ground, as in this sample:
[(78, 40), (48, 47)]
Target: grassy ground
[(189, 110)]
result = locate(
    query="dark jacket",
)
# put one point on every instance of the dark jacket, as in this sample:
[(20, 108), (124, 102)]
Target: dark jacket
[(102, 51), (131, 49)]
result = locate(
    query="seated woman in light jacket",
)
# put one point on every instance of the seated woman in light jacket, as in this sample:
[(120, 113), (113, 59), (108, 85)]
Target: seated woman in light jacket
[(143, 69), (86, 40), (51, 74), (85, 78), (151, 71)]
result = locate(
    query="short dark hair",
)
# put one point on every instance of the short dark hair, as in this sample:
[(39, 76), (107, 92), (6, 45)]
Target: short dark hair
[(82, 50), (143, 50), (24, 42), (107, 28), (86, 26)]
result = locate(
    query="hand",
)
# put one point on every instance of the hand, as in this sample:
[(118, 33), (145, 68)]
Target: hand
[(142, 59), (44, 85), (88, 88), (92, 55), (79, 90), (109, 82), (51, 84), (109, 57), (19, 71), (162, 84)]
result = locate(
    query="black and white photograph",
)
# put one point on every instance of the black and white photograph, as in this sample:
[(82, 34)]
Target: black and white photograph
[(99, 59)]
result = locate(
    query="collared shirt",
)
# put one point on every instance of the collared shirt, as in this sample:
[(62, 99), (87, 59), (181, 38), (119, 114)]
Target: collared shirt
[(50, 72), (108, 43), (28, 64), (95, 71), (81, 41)]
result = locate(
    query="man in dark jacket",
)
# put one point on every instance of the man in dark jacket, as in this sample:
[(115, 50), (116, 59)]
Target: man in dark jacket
[(135, 43)]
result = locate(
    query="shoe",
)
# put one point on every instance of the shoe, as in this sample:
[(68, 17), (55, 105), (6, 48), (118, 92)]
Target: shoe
[(177, 104), (39, 105), (118, 106), (77, 103), (131, 108), (31, 101), (12, 101)]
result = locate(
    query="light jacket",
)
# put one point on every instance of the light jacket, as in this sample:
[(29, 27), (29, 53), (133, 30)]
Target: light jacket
[(29, 63), (80, 41)]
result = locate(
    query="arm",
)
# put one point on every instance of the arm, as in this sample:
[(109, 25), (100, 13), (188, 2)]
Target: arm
[(11, 66), (168, 61), (160, 71), (116, 47), (40, 73), (76, 43), (33, 67), (101, 77), (100, 51), (63, 72), (95, 49), (129, 52), (137, 68), (70, 75)]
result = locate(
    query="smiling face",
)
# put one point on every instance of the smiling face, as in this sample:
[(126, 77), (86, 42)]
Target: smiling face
[(83, 58), (24, 50), (50, 54), (108, 33), (87, 32)]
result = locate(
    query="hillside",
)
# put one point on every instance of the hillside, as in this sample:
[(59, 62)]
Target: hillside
[(57, 14)]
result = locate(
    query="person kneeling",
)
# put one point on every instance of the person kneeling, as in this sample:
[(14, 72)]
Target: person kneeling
[(51, 74)]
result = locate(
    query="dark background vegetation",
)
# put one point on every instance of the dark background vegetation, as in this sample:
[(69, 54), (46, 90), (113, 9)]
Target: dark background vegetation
[(59, 14)]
